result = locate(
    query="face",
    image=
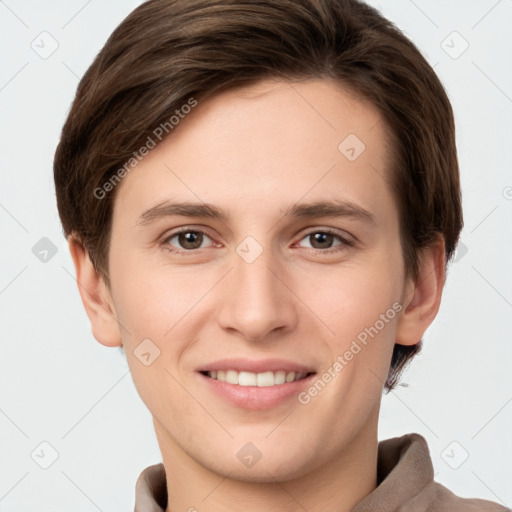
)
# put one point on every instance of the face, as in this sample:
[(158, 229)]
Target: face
[(271, 289)]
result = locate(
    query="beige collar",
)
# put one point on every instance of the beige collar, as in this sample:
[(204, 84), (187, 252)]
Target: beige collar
[(405, 478)]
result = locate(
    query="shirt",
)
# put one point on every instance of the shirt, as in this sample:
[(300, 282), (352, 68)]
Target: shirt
[(405, 483)]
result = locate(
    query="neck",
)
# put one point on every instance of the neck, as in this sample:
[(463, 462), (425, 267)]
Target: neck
[(337, 485)]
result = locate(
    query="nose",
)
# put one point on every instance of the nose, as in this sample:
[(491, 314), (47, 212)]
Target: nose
[(257, 300)]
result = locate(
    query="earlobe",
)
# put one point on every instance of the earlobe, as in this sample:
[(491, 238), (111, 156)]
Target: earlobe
[(422, 297), (95, 296)]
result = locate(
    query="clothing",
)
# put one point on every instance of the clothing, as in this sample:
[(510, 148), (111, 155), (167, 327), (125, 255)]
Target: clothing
[(405, 478)]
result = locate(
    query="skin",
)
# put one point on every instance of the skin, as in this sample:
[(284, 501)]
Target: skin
[(255, 152)]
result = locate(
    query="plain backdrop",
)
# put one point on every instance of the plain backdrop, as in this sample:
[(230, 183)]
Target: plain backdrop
[(61, 388)]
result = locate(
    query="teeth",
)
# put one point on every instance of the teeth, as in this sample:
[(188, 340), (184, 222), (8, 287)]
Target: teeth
[(280, 377), (232, 377), (247, 379), (255, 379)]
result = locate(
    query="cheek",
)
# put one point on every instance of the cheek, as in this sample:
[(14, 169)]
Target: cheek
[(360, 304), (154, 307), (153, 300), (351, 296), (151, 309)]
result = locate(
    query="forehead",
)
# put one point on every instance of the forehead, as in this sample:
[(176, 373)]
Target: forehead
[(271, 142)]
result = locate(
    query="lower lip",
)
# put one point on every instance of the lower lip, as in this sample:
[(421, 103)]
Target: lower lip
[(254, 397)]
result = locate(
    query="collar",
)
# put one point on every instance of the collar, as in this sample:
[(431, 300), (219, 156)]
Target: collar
[(405, 481)]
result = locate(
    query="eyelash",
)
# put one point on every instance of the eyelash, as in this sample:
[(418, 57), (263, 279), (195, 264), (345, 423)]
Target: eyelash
[(344, 242)]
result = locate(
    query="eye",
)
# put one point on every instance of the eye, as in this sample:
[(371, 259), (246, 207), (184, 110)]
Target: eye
[(322, 240), (188, 239)]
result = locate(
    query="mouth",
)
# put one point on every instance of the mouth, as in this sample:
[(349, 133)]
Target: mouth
[(256, 385), (262, 379)]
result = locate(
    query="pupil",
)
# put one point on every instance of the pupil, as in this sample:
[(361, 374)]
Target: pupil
[(321, 238), (189, 240)]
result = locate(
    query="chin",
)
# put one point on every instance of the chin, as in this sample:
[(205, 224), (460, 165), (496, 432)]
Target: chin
[(278, 467)]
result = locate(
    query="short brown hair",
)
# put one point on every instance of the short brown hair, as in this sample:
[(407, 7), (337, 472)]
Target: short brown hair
[(167, 51)]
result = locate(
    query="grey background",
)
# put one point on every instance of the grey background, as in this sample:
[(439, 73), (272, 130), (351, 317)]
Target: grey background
[(59, 386)]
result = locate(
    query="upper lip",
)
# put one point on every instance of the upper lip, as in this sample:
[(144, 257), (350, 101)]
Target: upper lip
[(255, 366)]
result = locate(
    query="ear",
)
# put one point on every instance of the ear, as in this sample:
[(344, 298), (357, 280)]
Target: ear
[(422, 296), (95, 296)]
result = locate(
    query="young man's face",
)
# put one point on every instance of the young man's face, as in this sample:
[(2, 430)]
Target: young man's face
[(258, 291)]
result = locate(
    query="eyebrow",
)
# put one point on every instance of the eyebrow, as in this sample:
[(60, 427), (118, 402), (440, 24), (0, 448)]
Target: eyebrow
[(316, 209)]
